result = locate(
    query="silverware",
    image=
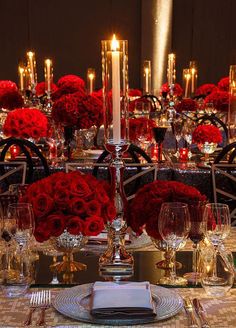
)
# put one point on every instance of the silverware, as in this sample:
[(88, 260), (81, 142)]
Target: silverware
[(201, 313), (192, 320), (33, 305), (44, 303)]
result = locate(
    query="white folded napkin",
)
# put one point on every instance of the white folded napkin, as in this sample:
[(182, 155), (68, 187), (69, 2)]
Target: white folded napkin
[(132, 299)]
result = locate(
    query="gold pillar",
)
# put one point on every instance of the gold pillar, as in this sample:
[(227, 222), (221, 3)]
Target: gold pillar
[(156, 38)]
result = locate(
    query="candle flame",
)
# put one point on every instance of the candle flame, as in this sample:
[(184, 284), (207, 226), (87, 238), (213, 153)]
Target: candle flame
[(48, 62), (172, 56), (30, 54), (21, 69), (91, 76), (114, 43), (146, 70)]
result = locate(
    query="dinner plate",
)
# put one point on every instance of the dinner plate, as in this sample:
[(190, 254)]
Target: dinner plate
[(75, 303)]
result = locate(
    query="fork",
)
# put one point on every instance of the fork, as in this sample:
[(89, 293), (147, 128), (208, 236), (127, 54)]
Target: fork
[(33, 305), (44, 303)]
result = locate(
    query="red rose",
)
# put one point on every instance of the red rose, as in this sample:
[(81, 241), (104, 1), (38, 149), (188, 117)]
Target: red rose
[(93, 208), (61, 198), (77, 206), (186, 105), (40, 88), (41, 232), (220, 100), (75, 225), (42, 204), (178, 91), (205, 89), (93, 226), (223, 84), (80, 188), (56, 224), (207, 133)]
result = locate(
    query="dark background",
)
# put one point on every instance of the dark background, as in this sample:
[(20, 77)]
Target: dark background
[(70, 32)]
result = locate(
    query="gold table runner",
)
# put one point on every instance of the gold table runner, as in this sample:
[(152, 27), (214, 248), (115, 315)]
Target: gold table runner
[(220, 312)]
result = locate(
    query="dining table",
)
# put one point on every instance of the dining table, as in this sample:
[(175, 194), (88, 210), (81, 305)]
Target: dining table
[(220, 311)]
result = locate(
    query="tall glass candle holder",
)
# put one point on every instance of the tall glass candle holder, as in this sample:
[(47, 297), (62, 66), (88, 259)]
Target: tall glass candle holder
[(31, 63), (187, 82), (147, 77), (171, 73), (194, 76), (48, 74), (116, 261), (91, 75), (232, 103)]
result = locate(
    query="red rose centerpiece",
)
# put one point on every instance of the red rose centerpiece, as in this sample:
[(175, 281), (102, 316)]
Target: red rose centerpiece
[(68, 207), (207, 137), (26, 123)]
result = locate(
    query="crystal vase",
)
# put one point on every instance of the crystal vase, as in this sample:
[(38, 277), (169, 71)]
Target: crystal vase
[(206, 148)]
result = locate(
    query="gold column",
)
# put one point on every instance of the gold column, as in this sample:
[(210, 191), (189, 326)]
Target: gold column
[(156, 38)]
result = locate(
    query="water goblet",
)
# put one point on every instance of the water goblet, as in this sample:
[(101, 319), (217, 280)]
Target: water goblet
[(174, 227), (187, 135), (217, 216), (178, 124)]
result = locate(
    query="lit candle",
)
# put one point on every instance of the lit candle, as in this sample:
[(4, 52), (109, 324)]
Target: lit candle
[(193, 70), (187, 77), (31, 63), (146, 79), (171, 69), (115, 55), (91, 78), (48, 74), (21, 71)]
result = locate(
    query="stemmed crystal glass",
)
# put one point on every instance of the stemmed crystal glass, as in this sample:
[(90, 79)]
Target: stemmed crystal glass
[(218, 269), (187, 134), (19, 225), (218, 225), (174, 227), (178, 124)]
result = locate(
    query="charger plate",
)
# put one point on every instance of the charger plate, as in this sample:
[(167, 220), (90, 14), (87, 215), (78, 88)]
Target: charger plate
[(75, 303)]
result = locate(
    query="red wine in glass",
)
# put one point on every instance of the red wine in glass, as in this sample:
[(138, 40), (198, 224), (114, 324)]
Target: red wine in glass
[(196, 233), (159, 136)]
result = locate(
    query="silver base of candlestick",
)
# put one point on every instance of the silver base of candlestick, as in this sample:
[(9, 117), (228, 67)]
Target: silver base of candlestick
[(116, 262)]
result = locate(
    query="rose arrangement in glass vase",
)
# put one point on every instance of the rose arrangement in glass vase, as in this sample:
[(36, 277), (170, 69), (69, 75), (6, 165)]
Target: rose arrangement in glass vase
[(68, 208), (207, 137), (143, 214)]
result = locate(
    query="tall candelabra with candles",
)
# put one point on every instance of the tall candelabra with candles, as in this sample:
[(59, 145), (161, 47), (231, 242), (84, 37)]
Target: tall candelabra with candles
[(232, 103), (187, 82), (48, 74), (116, 261), (91, 75)]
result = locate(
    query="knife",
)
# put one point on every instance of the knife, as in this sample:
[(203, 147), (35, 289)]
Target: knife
[(201, 313), (192, 320)]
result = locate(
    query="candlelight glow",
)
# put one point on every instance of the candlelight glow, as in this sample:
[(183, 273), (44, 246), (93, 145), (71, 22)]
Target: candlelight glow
[(30, 54), (114, 43), (146, 70), (21, 69), (91, 76)]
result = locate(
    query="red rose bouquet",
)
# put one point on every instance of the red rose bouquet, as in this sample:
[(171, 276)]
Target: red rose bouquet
[(186, 105), (40, 89), (178, 91), (135, 93), (207, 133), (205, 89), (72, 201), (75, 110), (144, 209), (69, 84), (10, 97), (223, 84), (220, 100), (26, 123)]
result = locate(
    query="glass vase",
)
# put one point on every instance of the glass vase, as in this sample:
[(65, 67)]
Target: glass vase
[(116, 261), (206, 148)]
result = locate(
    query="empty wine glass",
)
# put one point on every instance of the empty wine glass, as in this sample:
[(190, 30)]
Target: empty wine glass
[(178, 124), (187, 134), (174, 227)]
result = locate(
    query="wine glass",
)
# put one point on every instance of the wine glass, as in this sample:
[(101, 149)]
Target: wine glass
[(217, 216), (174, 227), (187, 134), (178, 124), (196, 234)]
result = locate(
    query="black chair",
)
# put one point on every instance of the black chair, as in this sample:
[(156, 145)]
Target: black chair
[(27, 148), (135, 153), (228, 154)]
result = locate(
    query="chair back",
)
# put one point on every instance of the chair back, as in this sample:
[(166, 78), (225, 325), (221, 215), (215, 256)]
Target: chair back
[(12, 172)]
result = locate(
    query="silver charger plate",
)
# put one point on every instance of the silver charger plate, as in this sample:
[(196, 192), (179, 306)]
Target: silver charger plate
[(75, 303)]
